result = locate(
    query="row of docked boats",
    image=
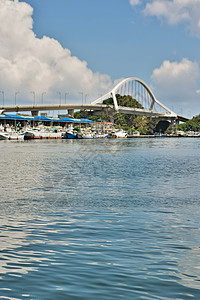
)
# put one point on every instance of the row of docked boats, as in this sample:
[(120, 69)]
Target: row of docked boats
[(85, 135), (11, 135), (56, 133), (29, 133), (89, 134)]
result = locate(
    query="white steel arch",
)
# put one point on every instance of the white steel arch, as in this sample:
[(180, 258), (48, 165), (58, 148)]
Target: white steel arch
[(113, 93)]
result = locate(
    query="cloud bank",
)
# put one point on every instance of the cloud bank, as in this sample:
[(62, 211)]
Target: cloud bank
[(135, 2), (176, 83), (177, 11), (28, 63)]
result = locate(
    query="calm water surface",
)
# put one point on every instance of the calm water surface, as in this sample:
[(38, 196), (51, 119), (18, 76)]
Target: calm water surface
[(100, 219)]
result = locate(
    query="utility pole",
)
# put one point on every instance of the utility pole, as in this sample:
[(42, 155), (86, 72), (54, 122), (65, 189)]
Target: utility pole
[(82, 96), (2, 96), (66, 97), (59, 93), (16, 97), (86, 97), (43, 97), (32, 92)]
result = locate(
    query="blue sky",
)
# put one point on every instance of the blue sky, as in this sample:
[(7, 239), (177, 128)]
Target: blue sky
[(157, 41), (112, 36)]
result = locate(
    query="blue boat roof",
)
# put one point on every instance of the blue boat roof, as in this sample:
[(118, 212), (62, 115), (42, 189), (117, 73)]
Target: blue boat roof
[(67, 119), (43, 119), (12, 117), (87, 121)]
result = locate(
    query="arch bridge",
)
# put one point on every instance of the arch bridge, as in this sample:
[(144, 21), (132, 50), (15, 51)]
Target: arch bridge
[(135, 88)]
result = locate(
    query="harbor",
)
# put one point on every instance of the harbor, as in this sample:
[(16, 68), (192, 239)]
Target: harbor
[(99, 141), (25, 127)]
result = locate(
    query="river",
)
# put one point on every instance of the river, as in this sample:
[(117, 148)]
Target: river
[(100, 219)]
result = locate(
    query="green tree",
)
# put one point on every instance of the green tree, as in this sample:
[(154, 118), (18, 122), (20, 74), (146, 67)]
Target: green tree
[(191, 125), (124, 121)]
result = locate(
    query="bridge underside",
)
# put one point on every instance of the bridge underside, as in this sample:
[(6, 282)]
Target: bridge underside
[(140, 112)]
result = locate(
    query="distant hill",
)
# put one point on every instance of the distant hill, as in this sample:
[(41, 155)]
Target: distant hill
[(130, 122), (124, 121)]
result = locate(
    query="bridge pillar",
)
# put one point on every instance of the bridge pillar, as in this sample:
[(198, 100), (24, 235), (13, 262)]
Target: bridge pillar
[(174, 126), (34, 113), (151, 125), (71, 112)]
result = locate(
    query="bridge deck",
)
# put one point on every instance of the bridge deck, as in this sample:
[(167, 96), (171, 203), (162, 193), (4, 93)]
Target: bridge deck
[(42, 107), (96, 107)]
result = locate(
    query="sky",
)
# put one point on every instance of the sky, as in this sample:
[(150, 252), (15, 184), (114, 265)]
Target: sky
[(59, 49)]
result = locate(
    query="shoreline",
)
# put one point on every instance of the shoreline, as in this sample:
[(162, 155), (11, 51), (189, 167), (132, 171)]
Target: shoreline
[(168, 136)]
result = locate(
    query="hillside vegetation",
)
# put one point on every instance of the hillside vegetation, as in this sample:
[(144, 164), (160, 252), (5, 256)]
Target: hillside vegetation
[(191, 125), (138, 123), (126, 122)]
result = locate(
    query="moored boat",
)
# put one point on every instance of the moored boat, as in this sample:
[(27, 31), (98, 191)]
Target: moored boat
[(42, 134), (11, 135), (118, 134), (88, 136), (70, 135)]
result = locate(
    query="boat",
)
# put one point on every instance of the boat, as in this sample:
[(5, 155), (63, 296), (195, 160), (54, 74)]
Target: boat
[(88, 135), (11, 135), (161, 134), (121, 134), (70, 135), (37, 133), (118, 134), (101, 135)]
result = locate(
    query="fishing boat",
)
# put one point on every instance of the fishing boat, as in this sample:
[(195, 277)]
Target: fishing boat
[(121, 134), (11, 135), (101, 135), (37, 133), (70, 135), (118, 134), (88, 135)]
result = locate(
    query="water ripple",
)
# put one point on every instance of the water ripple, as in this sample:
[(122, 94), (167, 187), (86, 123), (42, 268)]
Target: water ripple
[(100, 220)]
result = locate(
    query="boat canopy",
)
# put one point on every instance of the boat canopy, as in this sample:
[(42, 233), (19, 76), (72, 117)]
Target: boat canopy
[(11, 117), (17, 117)]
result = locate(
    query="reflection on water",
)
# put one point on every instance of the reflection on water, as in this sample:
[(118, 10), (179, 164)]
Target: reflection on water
[(104, 219)]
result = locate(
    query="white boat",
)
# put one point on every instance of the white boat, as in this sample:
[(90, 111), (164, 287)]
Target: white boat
[(87, 136), (11, 135), (37, 133), (121, 134), (101, 135)]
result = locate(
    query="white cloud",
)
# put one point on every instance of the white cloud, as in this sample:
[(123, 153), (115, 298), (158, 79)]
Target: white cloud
[(134, 2), (28, 63), (177, 11), (175, 84)]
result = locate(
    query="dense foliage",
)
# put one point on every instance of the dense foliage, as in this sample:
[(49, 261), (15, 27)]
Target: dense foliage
[(138, 123), (125, 100), (129, 122), (124, 121), (191, 125)]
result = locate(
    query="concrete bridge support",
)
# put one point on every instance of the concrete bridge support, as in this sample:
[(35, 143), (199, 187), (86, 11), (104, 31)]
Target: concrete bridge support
[(71, 112), (151, 125), (174, 126), (34, 113)]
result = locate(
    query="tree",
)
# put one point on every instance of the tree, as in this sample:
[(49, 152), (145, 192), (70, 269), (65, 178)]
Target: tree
[(191, 125), (124, 121)]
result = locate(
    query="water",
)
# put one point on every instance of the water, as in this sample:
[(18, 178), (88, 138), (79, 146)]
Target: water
[(100, 219)]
